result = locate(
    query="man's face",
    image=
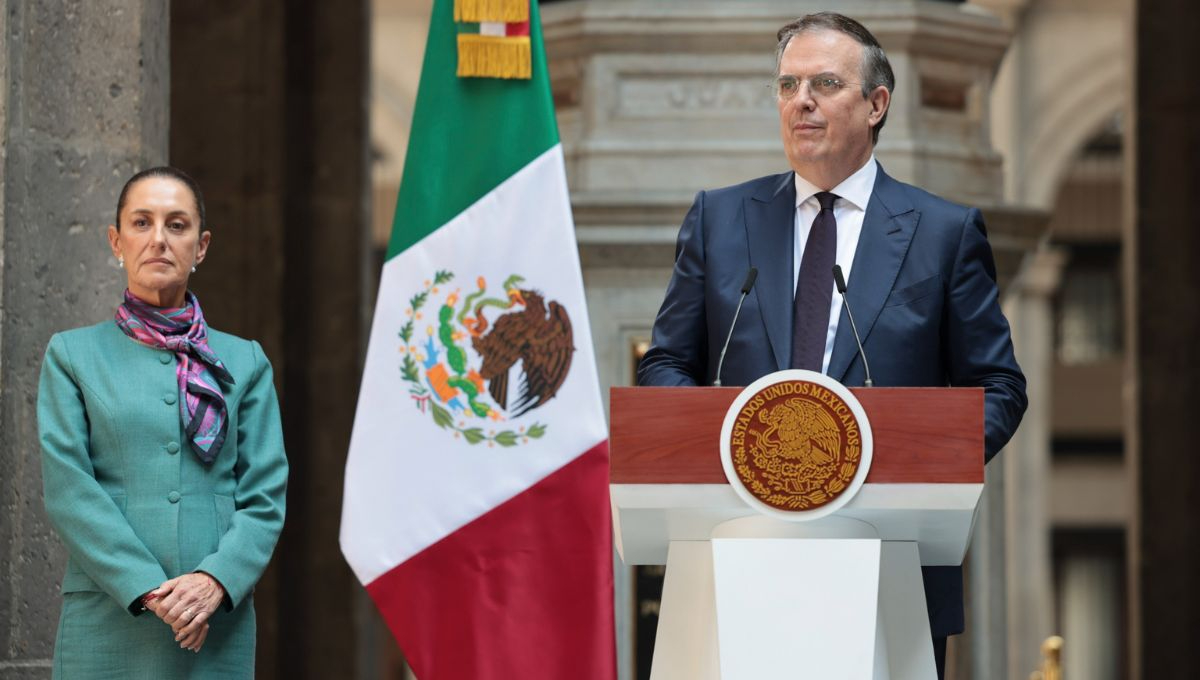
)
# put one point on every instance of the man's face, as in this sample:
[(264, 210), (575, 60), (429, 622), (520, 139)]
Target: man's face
[(827, 134)]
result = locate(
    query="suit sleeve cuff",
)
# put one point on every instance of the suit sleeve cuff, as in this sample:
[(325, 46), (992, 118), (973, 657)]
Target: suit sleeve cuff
[(132, 589), (233, 594)]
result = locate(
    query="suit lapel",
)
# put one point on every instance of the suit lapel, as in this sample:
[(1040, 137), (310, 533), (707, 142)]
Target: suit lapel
[(770, 223), (888, 228)]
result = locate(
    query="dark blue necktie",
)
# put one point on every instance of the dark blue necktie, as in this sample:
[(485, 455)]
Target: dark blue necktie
[(814, 289)]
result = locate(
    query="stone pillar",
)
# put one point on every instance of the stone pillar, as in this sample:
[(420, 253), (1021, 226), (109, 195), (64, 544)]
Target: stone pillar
[(83, 104), (1008, 571), (982, 652), (269, 113), (1164, 334), (1026, 461)]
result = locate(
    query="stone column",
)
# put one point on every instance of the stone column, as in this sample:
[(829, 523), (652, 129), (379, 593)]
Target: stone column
[(1008, 571), (83, 104), (982, 651), (1164, 334), (1026, 461)]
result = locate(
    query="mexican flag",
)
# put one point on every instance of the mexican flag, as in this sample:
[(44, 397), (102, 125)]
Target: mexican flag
[(476, 507)]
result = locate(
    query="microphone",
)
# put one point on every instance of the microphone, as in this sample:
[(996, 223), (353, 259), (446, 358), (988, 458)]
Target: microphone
[(750, 277), (840, 282)]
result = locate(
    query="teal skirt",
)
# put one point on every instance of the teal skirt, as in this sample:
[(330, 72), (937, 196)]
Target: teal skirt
[(99, 639)]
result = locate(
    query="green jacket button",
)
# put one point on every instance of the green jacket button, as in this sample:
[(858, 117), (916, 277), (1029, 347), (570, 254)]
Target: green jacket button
[(164, 358), (172, 448), (174, 496), (169, 399)]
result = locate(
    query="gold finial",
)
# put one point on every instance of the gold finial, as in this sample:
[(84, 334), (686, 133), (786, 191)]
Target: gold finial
[(1051, 660)]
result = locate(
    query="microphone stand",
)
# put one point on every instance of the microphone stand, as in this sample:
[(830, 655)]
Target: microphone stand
[(750, 277), (840, 281)]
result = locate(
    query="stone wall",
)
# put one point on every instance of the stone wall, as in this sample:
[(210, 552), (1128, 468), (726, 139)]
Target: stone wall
[(84, 91)]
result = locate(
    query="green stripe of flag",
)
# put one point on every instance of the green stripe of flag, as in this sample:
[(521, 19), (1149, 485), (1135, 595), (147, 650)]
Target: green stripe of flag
[(468, 134)]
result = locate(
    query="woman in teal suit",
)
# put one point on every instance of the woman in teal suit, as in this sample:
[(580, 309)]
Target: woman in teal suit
[(163, 462)]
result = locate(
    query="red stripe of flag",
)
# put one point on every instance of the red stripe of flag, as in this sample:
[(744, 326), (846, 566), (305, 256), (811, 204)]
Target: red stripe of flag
[(524, 591)]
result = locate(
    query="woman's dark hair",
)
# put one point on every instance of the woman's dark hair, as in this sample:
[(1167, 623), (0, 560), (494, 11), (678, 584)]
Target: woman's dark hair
[(168, 172)]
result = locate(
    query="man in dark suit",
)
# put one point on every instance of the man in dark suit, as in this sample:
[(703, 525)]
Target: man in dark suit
[(921, 280)]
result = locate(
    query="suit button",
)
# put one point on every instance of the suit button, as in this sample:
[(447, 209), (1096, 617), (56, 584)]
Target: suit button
[(172, 448), (174, 497), (169, 399), (164, 358)]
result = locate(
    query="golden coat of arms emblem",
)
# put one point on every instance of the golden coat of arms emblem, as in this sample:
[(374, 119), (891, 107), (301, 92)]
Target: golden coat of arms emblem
[(796, 444)]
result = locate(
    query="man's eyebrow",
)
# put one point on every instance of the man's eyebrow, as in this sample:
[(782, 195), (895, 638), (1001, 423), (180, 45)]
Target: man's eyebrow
[(822, 74)]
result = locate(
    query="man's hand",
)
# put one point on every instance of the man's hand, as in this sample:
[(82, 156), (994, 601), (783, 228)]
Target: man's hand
[(186, 603)]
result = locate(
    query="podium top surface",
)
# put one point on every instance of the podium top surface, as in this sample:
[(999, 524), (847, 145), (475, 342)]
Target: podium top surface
[(670, 435)]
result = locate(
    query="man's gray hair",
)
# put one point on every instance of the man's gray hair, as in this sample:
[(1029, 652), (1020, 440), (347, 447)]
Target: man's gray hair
[(876, 70)]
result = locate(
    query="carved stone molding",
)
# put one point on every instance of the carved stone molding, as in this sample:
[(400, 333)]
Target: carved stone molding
[(674, 96)]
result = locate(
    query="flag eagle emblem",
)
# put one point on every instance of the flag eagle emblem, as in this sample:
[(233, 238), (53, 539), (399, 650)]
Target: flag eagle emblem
[(462, 371)]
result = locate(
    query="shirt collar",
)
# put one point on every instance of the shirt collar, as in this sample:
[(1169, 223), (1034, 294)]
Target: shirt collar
[(855, 189)]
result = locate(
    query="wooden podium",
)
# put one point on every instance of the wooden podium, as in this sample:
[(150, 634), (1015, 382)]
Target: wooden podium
[(749, 596)]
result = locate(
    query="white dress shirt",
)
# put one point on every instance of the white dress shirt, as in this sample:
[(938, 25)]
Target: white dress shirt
[(849, 210)]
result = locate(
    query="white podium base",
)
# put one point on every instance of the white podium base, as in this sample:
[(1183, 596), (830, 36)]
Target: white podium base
[(686, 646), (753, 604)]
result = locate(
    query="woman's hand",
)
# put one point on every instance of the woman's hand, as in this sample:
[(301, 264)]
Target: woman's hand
[(194, 641), (186, 603), (191, 642)]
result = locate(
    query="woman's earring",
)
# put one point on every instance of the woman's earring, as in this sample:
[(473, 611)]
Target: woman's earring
[(121, 261), (193, 269)]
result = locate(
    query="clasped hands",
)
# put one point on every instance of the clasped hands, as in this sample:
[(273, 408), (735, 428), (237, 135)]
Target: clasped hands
[(185, 604)]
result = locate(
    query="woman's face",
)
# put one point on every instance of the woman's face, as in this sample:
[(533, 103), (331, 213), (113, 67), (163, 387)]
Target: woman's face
[(159, 239)]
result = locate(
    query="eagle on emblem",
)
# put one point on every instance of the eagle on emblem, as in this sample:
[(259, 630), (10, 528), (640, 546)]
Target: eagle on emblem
[(538, 335), (805, 440)]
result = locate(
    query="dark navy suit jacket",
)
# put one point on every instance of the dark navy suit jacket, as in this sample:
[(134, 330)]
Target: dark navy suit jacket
[(922, 289)]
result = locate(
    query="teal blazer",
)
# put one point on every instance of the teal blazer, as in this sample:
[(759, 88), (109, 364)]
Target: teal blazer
[(135, 506)]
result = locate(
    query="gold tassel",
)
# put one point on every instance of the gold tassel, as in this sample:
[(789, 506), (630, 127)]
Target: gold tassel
[(488, 56), (492, 11)]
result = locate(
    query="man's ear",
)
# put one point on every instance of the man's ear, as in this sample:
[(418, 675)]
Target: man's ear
[(880, 100)]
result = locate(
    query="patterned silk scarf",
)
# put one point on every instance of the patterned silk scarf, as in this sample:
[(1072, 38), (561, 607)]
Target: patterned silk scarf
[(182, 330)]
